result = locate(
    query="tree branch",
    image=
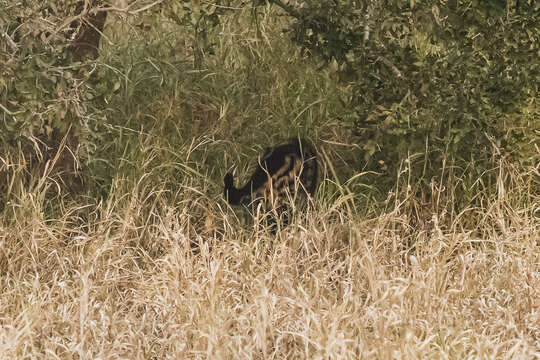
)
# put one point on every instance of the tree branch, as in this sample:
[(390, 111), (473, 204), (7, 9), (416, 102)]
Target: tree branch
[(392, 67)]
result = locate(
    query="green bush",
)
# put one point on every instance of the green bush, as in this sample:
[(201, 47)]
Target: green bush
[(442, 91), (452, 83)]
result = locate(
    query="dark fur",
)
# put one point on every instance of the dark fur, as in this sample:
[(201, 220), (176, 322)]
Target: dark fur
[(284, 173)]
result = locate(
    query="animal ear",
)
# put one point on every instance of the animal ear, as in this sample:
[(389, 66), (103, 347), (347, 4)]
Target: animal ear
[(229, 181)]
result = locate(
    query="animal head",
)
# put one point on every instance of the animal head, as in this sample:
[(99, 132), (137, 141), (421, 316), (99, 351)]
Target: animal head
[(233, 195)]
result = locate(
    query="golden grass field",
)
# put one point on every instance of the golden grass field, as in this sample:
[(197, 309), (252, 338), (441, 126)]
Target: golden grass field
[(144, 279)]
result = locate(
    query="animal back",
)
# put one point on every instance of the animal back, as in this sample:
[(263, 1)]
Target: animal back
[(285, 174), (288, 174)]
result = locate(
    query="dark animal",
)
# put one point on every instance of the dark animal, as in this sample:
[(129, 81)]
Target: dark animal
[(286, 175)]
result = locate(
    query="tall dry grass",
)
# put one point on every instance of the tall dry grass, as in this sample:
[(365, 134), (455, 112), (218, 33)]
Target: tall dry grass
[(144, 277)]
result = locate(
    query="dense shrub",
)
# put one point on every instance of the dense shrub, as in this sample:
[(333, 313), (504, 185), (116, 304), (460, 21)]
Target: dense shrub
[(444, 89), (435, 82)]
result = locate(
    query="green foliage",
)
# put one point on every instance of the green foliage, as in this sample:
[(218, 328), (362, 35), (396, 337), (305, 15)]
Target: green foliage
[(201, 17), (452, 80), (432, 83), (36, 82)]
